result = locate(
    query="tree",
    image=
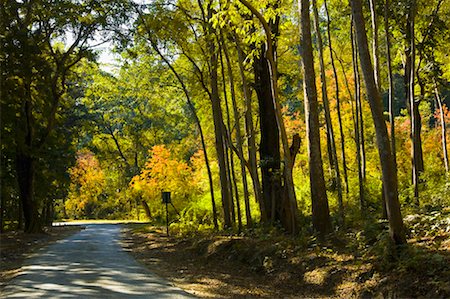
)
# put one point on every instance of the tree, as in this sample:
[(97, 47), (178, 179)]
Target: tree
[(389, 175), (87, 183), (37, 79), (289, 209), (163, 172), (331, 143), (320, 210)]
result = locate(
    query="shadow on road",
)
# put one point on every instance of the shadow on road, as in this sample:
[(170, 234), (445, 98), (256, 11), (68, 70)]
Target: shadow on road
[(90, 264)]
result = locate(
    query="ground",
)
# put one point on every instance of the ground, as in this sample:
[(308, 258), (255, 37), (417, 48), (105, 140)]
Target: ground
[(281, 267), (88, 264), (16, 246), (264, 264)]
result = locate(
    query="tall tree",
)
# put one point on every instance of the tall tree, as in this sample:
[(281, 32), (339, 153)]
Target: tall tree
[(217, 114), (331, 143), (239, 140), (375, 50), (320, 210), (389, 174), (250, 132), (288, 210), (32, 31), (387, 33), (417, 166), (338, 101), (358, 121)]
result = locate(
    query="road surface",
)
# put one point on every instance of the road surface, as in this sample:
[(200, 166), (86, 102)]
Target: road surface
[(89, 264)]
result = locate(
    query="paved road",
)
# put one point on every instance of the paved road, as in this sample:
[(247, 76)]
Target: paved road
[(89, 264)]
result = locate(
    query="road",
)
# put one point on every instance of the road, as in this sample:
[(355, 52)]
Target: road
[(89, 264)]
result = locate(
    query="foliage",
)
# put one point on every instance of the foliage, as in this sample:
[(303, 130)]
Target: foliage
[(87, 183), (163, 172)]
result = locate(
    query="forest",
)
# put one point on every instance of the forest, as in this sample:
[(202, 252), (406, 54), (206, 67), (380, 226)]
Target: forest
[(316, 118)]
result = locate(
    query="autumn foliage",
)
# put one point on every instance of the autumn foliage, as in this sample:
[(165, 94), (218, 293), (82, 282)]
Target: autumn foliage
[(87, 183), (163, 172)]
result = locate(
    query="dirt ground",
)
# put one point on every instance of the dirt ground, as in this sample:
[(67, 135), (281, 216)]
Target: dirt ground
[(265, 266), (16, 246), (246, 267)]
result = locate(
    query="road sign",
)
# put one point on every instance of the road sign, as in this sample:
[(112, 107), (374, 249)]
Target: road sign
[(166, 197)]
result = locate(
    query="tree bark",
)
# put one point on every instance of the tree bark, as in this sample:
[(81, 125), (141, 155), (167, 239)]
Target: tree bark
[(357, 121), (290, 218), (375, 51), (334, 164), (218, 127), (237, 125), (269, 146), (390, 79), (396, 228), (338, 102), (416, 123), (443, 127), (250, 131), (25, 176), (230, 154), (320, 210)]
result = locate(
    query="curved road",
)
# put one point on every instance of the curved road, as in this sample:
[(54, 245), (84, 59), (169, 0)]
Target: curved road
[(89, 264)]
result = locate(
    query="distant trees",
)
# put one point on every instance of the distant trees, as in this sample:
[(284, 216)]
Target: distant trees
[(87, 184)]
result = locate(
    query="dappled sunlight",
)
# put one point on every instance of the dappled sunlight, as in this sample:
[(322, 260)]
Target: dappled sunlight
[(88, 264)]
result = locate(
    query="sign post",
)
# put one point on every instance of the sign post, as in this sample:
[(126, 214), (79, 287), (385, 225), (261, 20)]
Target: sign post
[(166, 200)]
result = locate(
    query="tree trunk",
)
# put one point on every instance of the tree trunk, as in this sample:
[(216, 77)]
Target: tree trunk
[(443, 127), (269, 146), (357, 121), (320, 210), (239, 145), (48, 213), (329, 125), (230, 155), (2, 207), (25, 176), (219, 128), (376, 63), (413, 105), (148, 213), (290, 210), (390, 79), (250, 131), (338, 105), (396, 228)]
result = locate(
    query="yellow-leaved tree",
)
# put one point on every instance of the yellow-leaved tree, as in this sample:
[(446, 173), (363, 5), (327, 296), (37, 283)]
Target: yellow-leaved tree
[(163, 172), (87, 184)]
